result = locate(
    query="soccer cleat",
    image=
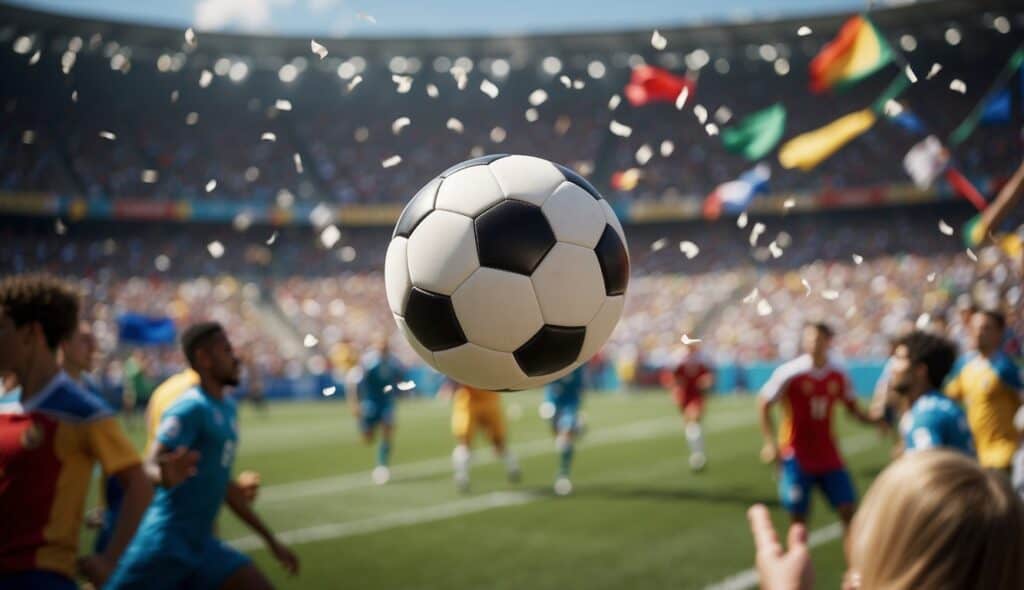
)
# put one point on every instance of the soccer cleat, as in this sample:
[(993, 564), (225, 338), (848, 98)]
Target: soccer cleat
[(697, 462), (563, 487), (381, 475)]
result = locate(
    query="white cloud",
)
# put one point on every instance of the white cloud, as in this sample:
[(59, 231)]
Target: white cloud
[(245, 14)]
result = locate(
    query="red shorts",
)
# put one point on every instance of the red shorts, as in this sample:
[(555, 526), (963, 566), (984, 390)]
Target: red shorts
[(689, 401)]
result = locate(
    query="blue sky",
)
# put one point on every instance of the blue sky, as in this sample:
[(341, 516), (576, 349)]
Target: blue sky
[(434, 17)]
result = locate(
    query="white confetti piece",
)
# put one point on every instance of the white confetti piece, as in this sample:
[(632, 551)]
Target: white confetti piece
[(191, 118), (489, 88), (272, 238), (406, 385), (578, 84), (689, 249), (297, 159), (614, 102), (756, 232), (60, 228), (701, 113), (857, 259), (329, 391), (310, 341), (892, 108), (355, 82), (688, 341), (537, 97), (681, 99), (455, 125), (317, 48), (807, 287), (972, 255), (242, 221), (432, 91), (752, 296), (162, 262), (723, 115), (936, 68), (565, 80), (910, 74), (958, 85), (74, 96), (666, 148), (789, 203), (35, 57), (658, 41), (402, 83), (268, 136), (366, 17), (348, 254), (851, 311), (830, 294), (711, 129), (945, 227), (764, 308), (387, 389), (174, 95), (282, 104), (211, 185), (741, 221), (330, 236), (659, 244), (215, 248), (150, 176), (775, 249), (399, 124), (461, 79), (108, 135), (320, 216), (392, 161), (803, 31), (931, 277), (205, 78), (532, 115), (619, 129), (644, 154), (190, 37)]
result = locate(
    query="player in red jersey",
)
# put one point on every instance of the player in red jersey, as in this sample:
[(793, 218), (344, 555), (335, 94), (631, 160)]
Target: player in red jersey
[(809, 386), (688, 381)]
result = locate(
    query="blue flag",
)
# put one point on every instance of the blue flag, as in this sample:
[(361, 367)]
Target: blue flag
[(133, 328), (908, 121), (997, 109)]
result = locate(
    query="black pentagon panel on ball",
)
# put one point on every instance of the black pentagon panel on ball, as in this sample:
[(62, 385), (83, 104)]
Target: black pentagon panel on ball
[(573, 177), (418, 207), (614, 261), (432, 319), (513, 236), (551, 349), (481, 161)]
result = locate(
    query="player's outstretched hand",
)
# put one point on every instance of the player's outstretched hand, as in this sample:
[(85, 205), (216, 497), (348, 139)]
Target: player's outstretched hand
[(778, 570), (249, 482), (288, 560), (176, 466), (96, 569)]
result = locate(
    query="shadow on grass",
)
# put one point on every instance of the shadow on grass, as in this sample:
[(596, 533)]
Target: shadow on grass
[(734, 496)]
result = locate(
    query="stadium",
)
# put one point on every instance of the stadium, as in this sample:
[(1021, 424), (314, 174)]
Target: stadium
[(177, 175)]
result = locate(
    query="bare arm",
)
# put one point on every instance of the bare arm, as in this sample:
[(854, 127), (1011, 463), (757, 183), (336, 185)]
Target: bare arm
[(770, 451), (168, 467), (857, 412), (138, 492), (239, 504)]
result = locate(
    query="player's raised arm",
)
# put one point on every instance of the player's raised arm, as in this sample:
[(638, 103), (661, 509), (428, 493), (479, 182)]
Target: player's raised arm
[(852, 406), (239, 504), (770, 393)]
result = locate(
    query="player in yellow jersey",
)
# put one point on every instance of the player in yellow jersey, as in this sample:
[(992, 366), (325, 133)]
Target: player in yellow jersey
[(471, 409), (988, 383)]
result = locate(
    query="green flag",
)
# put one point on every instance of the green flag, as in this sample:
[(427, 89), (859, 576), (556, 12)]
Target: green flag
[(967, 126), (756, 135)]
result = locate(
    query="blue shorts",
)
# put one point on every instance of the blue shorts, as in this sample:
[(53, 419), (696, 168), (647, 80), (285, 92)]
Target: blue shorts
[(795, 487), (566, 417), (148, 569), (36, 580), (373, 415)]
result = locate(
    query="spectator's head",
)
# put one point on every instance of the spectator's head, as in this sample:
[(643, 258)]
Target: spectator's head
[(817, 336), (987, 328), (78, 350), (937, 519), (37, 312), (209, 352), (921, 362)]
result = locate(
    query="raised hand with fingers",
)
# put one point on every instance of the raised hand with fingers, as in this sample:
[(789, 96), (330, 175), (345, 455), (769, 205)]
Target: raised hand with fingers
[(778, 569)]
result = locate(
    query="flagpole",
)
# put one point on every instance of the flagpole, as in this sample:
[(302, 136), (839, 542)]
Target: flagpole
[(964, 129)]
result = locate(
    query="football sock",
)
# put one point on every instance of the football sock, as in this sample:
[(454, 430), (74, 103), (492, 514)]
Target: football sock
[(384, 453), (460, 461), (695, 437)]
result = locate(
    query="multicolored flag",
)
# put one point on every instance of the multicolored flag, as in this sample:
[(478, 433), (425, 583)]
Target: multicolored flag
[(857, 52), (814, 147), (649, 84), (735, 195), (756, 135)]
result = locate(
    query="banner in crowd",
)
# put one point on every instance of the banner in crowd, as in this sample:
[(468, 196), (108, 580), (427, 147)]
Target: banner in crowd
[(133, 328)]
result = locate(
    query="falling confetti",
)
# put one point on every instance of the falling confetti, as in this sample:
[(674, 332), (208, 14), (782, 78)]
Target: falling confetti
[(406, 385), (752, 296), (723, 115), (658, 41), (330, 236), (578, 84), (150, 176), (775, 249), (803, 31), (711, 129), (399, 124), (272, 238), (741, 221), (614, 102), (329, 391), (537, 97), (242, 221), (807, 287), (297, 158), (764, 308), (355, 82), (532, 115), (317, 48), (348, 254), (910, 74), (972, 255), (74, 96), (268, 136), (619, 129), (931, 277), (174, 95), (857, 259), (756, 232), (403, 83), (35, 58), (454, 124), (366, 17), (387, 389), (489, 88), (60, 228), (191, 118), (681, 99), (644, 154), (190, 37), (108, 135), (282, 104), (162, 263), (392, 161), (432, 91), (659, 244), (958, 85), (701, 113), (565, 80), (892, 108), (211, 185), (789, 203), (830, 294), (689, 249), (310, 341), (666, 149), (936, 68), (945, 227), (688, 341), (205, 78), (215, 248)]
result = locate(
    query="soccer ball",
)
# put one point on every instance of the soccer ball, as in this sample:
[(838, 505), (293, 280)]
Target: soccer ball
[(506, 272)]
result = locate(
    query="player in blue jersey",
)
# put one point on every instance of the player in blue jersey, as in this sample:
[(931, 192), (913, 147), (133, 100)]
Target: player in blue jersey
[(562, 398), (175, 546), (371, 391), (919, 364)]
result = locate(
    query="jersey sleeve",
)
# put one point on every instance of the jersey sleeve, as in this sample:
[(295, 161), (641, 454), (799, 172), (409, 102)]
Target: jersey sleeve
[(772, 390), (180, 425), (954, 388), (110, 446)]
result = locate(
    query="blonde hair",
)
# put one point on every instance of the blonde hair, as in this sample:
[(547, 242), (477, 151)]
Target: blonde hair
[(937, 520)]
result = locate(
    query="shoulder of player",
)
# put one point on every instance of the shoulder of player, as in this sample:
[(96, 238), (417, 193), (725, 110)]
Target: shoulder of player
[(66, 400), (1007, 370), (190, 401), (793, 368)]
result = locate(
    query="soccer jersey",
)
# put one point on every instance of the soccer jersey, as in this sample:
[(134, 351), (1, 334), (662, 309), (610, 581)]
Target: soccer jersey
[(48, 448), (567, 390), (808, 395), (990, 391), (690, 379), (378, 378), (935, 421), (163, 397), (472, 407)]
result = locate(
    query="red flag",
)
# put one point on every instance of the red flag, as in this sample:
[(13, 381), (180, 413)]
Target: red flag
[(964, 188), (649, 84)]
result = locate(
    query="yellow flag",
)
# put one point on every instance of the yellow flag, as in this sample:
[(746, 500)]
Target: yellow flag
[(814, 147)]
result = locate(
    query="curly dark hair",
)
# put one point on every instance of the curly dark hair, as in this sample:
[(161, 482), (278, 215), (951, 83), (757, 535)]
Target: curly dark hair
[(936, 353), (43, 299)]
